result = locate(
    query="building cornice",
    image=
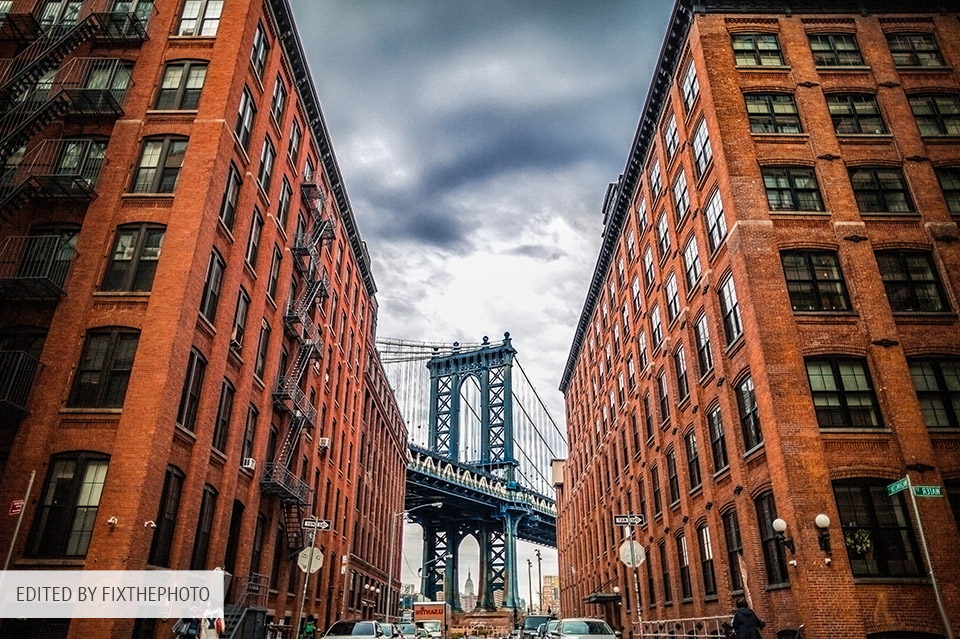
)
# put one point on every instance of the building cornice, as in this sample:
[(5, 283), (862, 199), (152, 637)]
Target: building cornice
[(293, 47), (615, 210)]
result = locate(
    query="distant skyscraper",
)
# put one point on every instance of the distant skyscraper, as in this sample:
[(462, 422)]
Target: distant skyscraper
[(551, 593), (468, 598)]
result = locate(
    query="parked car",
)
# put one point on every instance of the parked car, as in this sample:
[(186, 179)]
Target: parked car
[(584, 628), (355, 630), (391, 631), (552, 625), (408, 630), (531, 625)]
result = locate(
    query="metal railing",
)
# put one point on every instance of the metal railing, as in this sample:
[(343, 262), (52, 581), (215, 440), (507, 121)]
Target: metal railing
[(278, 480), (34, 266), (17, 372), (688, 627), (71, 164)]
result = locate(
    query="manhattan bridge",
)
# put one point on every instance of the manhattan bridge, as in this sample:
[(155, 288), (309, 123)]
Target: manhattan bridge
[(481, 445)]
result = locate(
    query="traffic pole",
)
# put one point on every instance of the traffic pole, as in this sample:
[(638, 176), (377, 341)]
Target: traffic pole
[(926, 556), (23, 510), (306, 580)]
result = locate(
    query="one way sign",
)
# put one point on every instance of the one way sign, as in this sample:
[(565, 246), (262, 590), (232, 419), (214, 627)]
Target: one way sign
[(628, 520), (319, 524)]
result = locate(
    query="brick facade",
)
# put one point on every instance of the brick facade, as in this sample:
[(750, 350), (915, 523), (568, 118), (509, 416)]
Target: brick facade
[(351, 457), (789, 450)]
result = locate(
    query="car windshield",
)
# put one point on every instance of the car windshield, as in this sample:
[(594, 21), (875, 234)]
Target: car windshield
[(532, 623), (553, 625), (387, 629), (585, 627), (407, 629), (355, 628)]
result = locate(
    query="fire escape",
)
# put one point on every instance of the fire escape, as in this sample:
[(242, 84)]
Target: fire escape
[(38, 89), (288, 396)]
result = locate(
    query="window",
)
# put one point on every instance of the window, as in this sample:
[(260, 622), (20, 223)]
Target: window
[(701, 334), (693, 460), (671, 138), (60, 13), (253, 244), (950, 183), (663, 398), (224, 408), (267, 156), (642, 349), (749, 416), (690, 87), (686, 589), (256, 554), (245, 113), (914, 50), (665, 574), (757, 50), (876, 529), (635, 287), (937, 382), (842, 393), (911, 282), (642, 499), (856, 114), (159, 166), (143, 9), (718, 440), (880, 190), (133, 262), (296, 135), (673, 480), (274, 273), (655, 488), (648, 273), (691, 263), (201, 540), (716, 222), (730, 308), (773, 113), (773, 556), (663, 236), (258, 56), (651, 589), (835, 50), (181, 85), (815, 281), (68, 505), (228, 208), (249, 432), (706, 561), (240, 319), (286, 196), (190, 395), (211, 287), (936, 114), (731, 533), (166, 517), (680, 365), (200, 18), (655, 182), (792, 189), (673, 297), (278, 103), (656, 328), (681, 196), (104, 369), (647, 416), (702, 151), (262, 350)]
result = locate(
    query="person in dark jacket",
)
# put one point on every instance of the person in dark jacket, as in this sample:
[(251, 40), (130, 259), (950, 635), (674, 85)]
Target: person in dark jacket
[(745, 622)]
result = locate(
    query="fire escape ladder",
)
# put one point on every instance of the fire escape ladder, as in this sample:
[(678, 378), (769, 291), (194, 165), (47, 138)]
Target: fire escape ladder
[(293, 523), (46, 52)]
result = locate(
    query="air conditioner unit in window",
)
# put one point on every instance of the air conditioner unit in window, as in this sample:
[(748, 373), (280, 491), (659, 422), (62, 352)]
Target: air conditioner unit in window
[(323, 443), (236, 339), (249, 463)]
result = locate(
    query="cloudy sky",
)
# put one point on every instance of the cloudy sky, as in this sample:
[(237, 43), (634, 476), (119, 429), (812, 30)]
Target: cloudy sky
[(476, 141)]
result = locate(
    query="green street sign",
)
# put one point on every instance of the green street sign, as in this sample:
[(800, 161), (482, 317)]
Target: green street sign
[(928, 491), (897, 486)]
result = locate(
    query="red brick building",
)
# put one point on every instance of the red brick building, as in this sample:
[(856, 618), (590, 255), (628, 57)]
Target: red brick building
[(187, 311), (771, 330)]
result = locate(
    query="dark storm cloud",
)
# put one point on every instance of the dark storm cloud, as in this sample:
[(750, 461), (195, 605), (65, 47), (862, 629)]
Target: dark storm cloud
[(537, 252)]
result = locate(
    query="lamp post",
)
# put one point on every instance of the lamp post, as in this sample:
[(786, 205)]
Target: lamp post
[(540, 578), (529, 586), (393, 553)]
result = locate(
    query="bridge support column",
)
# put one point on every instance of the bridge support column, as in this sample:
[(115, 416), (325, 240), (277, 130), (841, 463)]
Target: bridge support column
[(511, 599), (492, 564)]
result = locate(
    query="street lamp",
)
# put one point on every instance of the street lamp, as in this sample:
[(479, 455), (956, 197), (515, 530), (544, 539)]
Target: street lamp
[(540, 577), (393, 552), (529, 586)]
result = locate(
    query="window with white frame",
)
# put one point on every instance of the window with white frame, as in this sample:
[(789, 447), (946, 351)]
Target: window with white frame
[(681, 195), (691, 263), (730, 308), (655, 181), (200, 18), (702, 151), (716, 221), (690, 87), (673, 297), (671, 137)]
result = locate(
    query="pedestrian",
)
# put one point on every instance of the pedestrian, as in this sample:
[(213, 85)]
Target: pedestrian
[(746, 623), (309, 628)]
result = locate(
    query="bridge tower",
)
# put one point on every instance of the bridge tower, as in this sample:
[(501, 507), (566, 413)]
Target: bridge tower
[(491, 366)]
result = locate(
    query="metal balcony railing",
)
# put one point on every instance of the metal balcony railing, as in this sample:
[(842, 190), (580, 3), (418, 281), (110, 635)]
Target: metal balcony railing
[(311, 192), (17, 372), (277, 480), (56, 169), (687, 627), (18, 27), (34, 267)]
